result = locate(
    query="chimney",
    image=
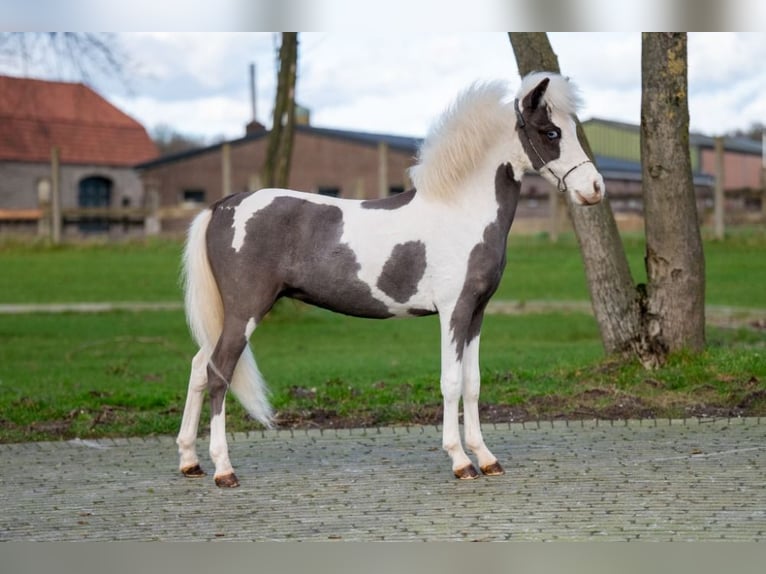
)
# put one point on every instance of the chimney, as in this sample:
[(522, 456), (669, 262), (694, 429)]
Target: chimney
[(252, 89)]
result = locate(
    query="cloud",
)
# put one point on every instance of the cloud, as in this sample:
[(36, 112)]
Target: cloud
[(727, 89), (202, 62), (600, 60), (399, 82), (206, 117), (723, 110), (720, 60), (395, 82)]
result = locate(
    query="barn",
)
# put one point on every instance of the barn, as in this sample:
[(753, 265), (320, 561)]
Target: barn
[(112, 180), (327, 161), (46, 125), (617, 146)]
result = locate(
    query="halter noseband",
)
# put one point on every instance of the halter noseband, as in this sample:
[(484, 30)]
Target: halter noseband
[(561, 184)]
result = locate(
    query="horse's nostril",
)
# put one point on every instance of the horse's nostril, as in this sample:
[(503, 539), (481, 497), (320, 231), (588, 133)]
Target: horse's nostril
[(597, 188)]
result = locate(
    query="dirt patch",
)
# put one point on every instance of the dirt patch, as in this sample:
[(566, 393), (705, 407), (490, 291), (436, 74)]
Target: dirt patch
[(602, 404), (752, 400)]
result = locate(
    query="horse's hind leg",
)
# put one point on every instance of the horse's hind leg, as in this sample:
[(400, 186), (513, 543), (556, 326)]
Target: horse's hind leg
[(187, 436), (219, 374)]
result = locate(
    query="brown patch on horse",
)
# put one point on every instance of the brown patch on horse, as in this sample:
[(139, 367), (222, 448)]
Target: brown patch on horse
[(292, 248), (417, 312), (533, 125), (391, 202), (486, 263), (403, 271)]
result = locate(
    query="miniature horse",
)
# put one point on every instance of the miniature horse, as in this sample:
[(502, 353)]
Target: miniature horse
[(439, 248)]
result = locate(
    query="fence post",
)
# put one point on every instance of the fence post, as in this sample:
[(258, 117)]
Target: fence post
[(763, 175), (359, 188), (55, 196), (152, 223), (382, 169), (555, 218), (226, 169), (763, 193), (718, 191), (44, 204)]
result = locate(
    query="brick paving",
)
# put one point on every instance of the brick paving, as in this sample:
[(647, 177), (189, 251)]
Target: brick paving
[(635, 480)]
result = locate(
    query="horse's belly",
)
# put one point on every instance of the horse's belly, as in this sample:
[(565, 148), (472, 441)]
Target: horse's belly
[(357, 301)]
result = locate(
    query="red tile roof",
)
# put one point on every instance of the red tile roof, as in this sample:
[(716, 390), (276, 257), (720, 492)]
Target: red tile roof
[(36, 115)]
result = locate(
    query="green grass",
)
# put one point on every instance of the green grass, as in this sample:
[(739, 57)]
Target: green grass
[(126, 373), (540, 269), (134, 271), (118, 374), (537, 269)]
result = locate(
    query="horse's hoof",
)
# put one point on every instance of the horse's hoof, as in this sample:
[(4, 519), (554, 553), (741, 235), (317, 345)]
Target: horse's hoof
[(193, 471), (493, 469), (466, 473), (227, 481)]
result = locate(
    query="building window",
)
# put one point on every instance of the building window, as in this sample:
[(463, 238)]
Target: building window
[(94, 192), (193, 197), (329, 191)]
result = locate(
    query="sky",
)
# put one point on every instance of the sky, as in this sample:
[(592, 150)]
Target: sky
[(399, 82)]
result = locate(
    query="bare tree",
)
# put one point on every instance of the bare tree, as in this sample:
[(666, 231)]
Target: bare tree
[(279, 151), (754, 132), (612, 289), (674, 307), (634, 320), (67, 55), (170, 141)]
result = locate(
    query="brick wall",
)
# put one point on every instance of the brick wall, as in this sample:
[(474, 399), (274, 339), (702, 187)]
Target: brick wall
[(319, 161), (741, 171), (19, 182)]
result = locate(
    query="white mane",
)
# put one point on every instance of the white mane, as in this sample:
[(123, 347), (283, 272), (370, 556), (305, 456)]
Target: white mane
[(479, 116), (458, 140)]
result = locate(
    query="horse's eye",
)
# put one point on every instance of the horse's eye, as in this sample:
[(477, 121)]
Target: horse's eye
[(553, 135)]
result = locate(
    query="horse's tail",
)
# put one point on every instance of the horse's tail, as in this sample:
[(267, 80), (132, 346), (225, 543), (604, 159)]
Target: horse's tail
[(204, 313)]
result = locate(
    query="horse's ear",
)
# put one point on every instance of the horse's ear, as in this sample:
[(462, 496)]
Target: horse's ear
[(536, 96)]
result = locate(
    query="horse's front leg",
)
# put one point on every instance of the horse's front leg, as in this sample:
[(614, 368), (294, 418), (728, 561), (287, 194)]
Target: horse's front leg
[(471, 385), (451, 383)]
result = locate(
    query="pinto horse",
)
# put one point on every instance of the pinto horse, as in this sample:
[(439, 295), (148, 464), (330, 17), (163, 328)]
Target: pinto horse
[(438, 248)]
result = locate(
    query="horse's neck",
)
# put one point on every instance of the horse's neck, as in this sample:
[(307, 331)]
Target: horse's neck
[(480, 185), (517, 157)]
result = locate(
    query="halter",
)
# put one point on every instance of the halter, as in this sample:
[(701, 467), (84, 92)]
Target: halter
[(561, 184)]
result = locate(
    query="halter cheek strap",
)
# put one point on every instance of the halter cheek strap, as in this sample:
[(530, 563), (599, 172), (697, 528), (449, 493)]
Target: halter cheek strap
[(561, 184)]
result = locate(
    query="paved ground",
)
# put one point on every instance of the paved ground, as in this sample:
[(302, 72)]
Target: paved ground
[(648, 480)]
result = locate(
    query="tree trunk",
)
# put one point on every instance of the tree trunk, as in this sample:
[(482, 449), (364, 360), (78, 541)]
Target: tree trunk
[(675, 264), (279, 151), (613, 294), (668, 314)]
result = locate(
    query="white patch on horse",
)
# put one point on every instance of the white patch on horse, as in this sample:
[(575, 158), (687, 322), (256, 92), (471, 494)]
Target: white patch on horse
[(250, 327), (373, 235)]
